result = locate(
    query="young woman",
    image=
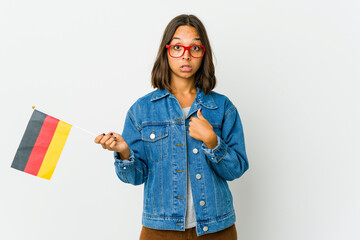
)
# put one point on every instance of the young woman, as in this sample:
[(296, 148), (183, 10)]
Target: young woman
[(183, 141)]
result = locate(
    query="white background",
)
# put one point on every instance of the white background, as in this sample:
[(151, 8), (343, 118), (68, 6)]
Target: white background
[(290, 67)]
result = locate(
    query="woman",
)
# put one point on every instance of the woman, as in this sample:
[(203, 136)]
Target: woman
[(183, 141)]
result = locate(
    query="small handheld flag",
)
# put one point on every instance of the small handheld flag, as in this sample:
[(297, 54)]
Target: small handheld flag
[(41, 145)]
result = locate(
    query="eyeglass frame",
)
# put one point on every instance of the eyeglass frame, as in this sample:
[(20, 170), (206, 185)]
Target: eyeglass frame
[(185, 48)]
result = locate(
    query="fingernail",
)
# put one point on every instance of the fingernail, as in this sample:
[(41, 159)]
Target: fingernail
[(111, 133), (103, 134), (115, 137)]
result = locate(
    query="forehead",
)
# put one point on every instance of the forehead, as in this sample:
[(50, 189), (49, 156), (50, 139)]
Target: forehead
[(186, 33)]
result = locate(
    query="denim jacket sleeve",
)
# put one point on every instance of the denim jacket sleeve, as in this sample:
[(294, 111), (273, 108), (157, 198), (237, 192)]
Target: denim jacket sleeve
[(133, 170), (228, 158)]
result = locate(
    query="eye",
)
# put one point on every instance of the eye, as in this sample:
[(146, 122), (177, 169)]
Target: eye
[(177, 47), (196, 48)]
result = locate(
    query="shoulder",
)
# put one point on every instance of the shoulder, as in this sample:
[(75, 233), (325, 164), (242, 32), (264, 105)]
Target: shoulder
[(139, 108), (141, 102), (217, 95), (221, 100)]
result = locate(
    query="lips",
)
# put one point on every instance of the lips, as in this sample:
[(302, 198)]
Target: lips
[(186, 68)]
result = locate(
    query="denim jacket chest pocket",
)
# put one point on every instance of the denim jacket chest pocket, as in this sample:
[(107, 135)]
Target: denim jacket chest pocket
[(155, 139)]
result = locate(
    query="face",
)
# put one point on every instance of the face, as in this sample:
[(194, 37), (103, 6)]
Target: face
[(186, 36)]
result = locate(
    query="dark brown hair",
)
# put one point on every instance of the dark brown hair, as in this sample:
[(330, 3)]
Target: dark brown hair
[(205, 76)]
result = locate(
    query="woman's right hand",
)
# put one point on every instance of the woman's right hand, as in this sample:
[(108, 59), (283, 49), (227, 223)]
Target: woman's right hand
[(114, 142)]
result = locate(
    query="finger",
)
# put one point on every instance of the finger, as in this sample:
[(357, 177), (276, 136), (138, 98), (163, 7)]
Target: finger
[(112, 144), (108, 142), (199, 113), (111, 139), (105, 138), (194, 121), (98, 138), (116, 135)]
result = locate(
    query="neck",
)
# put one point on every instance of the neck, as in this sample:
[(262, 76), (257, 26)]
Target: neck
[(183, 87)]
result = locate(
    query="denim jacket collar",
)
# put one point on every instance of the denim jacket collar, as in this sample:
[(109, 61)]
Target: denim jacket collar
[(205, 100)]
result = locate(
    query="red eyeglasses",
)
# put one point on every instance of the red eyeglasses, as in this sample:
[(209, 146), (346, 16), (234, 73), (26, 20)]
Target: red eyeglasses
[(176, 51)]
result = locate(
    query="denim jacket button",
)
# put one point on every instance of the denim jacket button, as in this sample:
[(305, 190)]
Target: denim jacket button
[(195, 150), (198, 176), (205, 228), (152, 136), (202, 203)]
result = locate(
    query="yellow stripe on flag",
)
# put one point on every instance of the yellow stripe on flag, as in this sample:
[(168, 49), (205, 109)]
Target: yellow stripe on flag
[(55, 148)]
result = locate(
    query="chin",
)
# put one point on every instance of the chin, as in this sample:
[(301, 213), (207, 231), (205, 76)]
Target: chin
[(186, 76)]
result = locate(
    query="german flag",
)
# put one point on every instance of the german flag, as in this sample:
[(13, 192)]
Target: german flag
[(41, 145)]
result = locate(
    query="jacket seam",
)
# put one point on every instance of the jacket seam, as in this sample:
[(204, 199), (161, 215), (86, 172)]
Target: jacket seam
[(162, 217), (125, 164), (224, 154), (133, 121), (230, 110), (218, 218), (127, 170), (213, 100), (204, 221), (229, 171), (216, 194), (124, 176)]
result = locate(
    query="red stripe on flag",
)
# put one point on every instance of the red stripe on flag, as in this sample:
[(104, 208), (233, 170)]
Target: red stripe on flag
[(41, 145)]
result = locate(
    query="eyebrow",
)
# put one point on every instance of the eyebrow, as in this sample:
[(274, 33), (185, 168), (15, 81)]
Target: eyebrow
[(196, 39)]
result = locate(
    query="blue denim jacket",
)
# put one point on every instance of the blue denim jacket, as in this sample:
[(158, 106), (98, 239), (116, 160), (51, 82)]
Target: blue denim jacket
[(160, 146)]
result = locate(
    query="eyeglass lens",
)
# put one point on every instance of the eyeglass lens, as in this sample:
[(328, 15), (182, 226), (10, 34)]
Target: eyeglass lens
[(195, 51)]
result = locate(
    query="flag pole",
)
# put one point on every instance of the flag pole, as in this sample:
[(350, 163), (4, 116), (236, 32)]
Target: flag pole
[(91, 133)]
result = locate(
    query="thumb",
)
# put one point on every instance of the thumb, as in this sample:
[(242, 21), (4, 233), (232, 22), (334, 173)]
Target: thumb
[(199, 114)]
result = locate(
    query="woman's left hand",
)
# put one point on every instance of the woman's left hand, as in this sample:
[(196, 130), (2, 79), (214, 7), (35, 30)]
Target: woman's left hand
[(201, 129)]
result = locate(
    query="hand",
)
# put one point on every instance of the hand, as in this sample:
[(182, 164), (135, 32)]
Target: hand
[(114, 142), (201, 129)]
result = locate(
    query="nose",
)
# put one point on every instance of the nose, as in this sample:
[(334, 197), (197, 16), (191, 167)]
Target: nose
[(187, 54)]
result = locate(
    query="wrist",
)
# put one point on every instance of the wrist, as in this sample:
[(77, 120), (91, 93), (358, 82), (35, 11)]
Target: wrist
[(125, 155), (211, 141)]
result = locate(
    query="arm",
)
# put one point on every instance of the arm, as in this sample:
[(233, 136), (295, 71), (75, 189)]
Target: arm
[(228, 158), (133, 170)]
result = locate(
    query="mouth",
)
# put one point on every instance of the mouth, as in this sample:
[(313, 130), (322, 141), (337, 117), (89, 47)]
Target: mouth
[(186, 68)]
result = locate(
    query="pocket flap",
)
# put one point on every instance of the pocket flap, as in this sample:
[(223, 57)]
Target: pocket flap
[(152, 133)]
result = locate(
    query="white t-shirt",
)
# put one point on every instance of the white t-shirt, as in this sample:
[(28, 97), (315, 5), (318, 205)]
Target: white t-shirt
[(190, 218)]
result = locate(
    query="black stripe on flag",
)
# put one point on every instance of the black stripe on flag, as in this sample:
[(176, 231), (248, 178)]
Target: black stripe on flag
[(28, 140)]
